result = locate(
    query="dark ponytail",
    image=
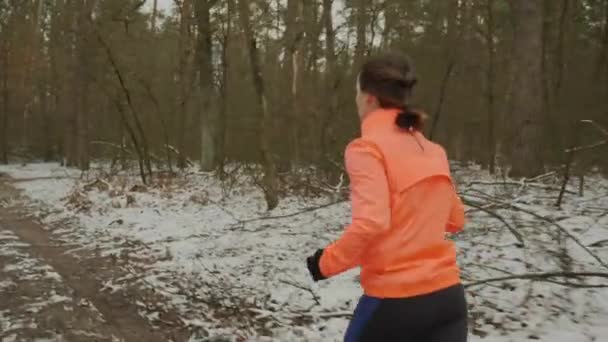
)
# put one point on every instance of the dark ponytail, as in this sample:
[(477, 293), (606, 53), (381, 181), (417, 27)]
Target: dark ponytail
[(410, 120), (391, 80)]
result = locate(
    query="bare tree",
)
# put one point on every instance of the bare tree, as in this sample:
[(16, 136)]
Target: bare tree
[(270, 178)]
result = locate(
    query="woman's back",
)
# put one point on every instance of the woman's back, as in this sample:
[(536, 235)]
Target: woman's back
[(410, 255)]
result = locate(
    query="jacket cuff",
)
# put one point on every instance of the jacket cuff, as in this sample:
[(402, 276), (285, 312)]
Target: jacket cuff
[(314, 266)]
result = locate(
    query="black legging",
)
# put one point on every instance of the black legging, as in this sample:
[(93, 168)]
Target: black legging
[(436, 317)]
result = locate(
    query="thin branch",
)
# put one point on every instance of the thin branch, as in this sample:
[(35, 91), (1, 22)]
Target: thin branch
[(596, 125), (442, 95), (113, 145), (587, 147), (541, 276), (307, 210)]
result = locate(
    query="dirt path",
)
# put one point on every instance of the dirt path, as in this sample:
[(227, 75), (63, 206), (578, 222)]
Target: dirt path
[(48, 294)]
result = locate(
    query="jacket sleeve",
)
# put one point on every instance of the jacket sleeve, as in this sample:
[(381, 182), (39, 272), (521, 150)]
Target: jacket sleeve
[(371, 213), (456, 220)]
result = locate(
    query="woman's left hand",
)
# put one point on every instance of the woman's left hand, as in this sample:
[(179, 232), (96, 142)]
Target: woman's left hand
[(314, 265)]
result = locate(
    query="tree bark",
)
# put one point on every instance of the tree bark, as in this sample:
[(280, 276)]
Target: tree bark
[(526, 156), (270, 178)]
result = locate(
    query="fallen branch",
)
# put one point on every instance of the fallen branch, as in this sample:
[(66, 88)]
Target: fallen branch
[(307, 210), (179, 154), (542, 276), (558, 226), (512, 229), (524, 183), (113, 145), (307, 314)]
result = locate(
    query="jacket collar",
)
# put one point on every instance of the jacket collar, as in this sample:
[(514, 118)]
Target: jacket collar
[(380, 119)]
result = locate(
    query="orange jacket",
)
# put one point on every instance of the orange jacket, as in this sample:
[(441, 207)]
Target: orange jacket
[(403, 202)]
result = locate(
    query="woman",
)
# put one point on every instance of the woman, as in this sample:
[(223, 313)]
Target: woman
[(403, 202)]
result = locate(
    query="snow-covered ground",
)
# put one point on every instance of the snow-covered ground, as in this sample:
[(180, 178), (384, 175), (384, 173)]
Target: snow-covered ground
[(231, 269)]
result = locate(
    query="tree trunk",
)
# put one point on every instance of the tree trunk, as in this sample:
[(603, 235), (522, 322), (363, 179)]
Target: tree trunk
[(208, 116), (602, 62), (184, 81), (55, 56), (490, 80), (559, 60), (293, 58), (270, 177), (154, 16), (69, 141), (221, 123), (526, 156), (331, 83), (5, 102), (82, 82), (362, 24)]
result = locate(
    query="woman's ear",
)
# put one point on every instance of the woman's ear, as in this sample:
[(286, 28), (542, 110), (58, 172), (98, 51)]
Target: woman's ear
[(371, 100)]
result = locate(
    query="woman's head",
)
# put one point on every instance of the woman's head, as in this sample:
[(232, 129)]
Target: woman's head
[(387, 81)]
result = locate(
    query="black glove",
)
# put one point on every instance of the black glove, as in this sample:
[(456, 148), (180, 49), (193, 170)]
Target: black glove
[(313, 266)]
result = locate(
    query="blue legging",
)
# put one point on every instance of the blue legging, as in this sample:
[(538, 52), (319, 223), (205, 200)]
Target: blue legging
[(437, 317)]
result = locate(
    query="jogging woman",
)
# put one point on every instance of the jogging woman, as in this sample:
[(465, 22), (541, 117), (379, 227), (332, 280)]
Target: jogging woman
[(403, 203)]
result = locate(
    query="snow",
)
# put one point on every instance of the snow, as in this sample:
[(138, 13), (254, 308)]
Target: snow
[(189, 236)]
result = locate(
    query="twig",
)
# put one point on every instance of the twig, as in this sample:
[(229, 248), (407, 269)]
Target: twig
[(304, 288), (599, 243), (540, 276)]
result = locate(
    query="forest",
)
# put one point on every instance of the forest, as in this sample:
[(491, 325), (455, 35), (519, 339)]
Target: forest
[(506, 84), (166, 166)]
